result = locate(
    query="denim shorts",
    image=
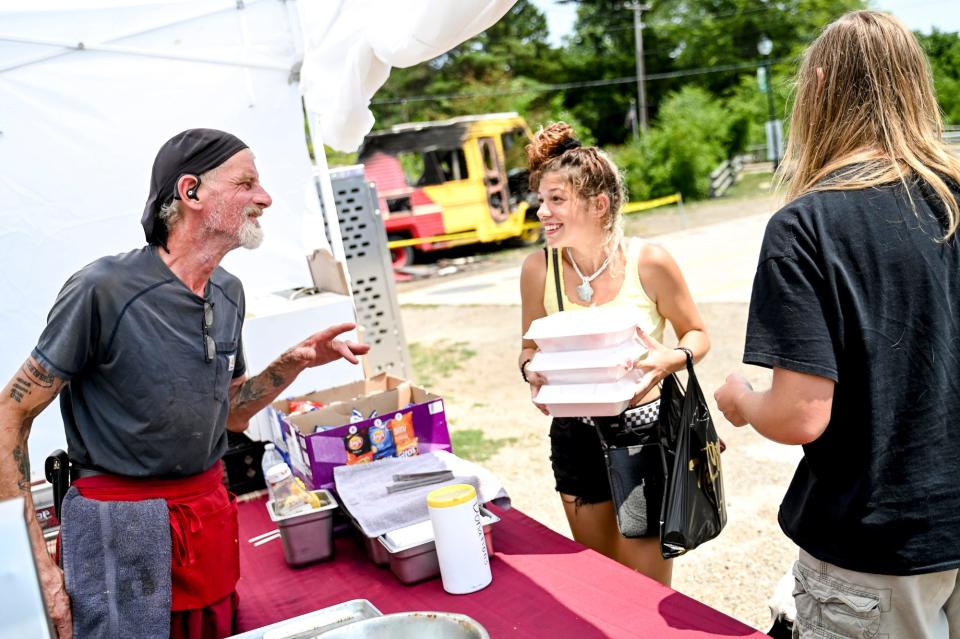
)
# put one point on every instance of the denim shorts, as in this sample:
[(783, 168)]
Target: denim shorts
[(576, 454)]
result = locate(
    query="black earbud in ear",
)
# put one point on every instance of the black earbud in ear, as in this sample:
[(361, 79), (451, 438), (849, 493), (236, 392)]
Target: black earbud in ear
[(192, 191)]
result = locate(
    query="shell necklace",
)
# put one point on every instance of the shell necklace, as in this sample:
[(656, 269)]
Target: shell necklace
[(584, 290)]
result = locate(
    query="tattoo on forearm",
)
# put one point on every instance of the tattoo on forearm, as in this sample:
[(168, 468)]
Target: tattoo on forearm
[(262, 386), (249, 392), (38, 376), (276, 379), (22, 457)]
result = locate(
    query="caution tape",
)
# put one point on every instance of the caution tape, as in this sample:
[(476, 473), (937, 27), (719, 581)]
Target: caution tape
[(636, 207), (466, 235), (631, 207)]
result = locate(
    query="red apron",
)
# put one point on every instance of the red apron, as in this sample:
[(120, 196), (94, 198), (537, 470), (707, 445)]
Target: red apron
[(203, 530)]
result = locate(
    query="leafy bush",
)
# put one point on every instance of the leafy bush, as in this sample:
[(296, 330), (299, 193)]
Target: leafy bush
[(694, 133), (944, 52)]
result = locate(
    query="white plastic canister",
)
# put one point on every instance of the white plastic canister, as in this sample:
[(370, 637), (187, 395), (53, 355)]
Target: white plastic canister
[(461, 548)]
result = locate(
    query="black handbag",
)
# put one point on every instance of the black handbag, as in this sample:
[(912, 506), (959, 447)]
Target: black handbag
[(693, 504), (633, 461)]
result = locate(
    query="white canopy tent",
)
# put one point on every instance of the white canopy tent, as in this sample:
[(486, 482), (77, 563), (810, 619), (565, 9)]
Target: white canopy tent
[(90, 89)]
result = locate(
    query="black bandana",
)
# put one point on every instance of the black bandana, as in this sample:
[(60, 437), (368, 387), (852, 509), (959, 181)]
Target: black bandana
[(191, 152)]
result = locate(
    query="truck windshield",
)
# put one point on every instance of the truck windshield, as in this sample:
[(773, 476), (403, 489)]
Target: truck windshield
[(514, 150), (433, 167)]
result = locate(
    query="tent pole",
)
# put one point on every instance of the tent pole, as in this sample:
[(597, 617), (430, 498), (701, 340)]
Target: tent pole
[(326, 189)]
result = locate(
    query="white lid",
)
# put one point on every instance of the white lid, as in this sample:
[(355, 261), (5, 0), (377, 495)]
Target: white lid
[(269, 446), (279, 472), (587, 321), (412, 535), (624, 353), (588, 393), (422, 533)]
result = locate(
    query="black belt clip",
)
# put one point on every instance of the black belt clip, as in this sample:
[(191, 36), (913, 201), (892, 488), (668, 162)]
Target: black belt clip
[(57, 470)]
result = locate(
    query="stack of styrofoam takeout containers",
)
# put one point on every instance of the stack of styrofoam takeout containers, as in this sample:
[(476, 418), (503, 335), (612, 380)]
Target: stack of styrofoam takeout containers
[(587, 359)]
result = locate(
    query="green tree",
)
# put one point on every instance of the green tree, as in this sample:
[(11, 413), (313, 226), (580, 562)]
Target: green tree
[(681, 36), (943, 50), (503, 68), (693, 133)]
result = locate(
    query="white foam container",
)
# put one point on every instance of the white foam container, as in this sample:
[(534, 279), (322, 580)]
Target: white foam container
[(588, 400), (583, 329), (597, 366)]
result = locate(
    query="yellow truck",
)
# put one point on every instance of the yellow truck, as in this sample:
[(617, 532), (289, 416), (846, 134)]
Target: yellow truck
[(450, 182)]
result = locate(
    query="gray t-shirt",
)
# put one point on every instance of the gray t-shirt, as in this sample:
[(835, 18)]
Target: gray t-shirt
[(127, 334)]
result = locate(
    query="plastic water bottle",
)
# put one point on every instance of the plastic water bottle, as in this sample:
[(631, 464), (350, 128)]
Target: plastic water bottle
[(290, 496), (270, 459)]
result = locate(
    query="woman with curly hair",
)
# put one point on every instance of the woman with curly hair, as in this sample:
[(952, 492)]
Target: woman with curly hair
[(581, 195)]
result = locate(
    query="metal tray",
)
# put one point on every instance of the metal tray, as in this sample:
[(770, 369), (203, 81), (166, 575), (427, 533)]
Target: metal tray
[(419, 562), (412, 625), (314, 623), (307, 536), (375, 550)]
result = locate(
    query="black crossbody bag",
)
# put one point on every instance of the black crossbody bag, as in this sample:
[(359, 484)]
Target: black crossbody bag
[(684, 501), (629, 453)]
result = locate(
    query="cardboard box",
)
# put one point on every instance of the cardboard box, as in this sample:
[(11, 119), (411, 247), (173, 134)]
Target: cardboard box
[(398, 404), (327, 273)]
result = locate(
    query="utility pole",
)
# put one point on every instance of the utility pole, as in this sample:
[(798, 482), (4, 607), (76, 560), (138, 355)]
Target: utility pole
[(765, 48), (638, 10)]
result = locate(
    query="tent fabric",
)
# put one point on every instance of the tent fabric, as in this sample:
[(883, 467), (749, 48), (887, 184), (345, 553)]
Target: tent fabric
[(79, 130), (352, 44), (90, 90)]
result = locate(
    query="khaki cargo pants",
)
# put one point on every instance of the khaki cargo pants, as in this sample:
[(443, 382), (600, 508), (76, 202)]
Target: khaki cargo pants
[(833, 603)]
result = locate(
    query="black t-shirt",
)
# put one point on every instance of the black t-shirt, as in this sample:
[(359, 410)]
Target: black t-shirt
[(855, 286), (127, 334)]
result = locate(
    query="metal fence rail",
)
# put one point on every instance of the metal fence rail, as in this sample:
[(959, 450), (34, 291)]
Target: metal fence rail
[(725, 175)]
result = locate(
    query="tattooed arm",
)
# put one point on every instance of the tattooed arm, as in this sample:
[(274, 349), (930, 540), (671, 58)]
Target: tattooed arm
[(249, 396), (24, 397)]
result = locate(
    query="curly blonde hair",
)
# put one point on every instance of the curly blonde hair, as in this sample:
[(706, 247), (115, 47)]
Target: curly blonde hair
[(589, 170)]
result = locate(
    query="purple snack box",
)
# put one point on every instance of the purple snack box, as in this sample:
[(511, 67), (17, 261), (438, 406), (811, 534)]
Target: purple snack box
[(317, 454)]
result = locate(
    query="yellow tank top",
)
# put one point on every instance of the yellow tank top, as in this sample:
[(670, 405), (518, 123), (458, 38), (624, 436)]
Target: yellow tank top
[(631, 292)]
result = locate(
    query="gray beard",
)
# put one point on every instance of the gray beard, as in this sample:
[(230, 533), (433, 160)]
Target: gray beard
[(251, 235)]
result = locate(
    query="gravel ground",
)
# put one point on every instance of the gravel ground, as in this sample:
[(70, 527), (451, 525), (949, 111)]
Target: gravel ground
[(734, 573)]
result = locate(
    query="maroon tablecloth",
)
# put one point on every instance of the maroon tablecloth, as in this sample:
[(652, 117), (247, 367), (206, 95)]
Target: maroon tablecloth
[(544, 585)]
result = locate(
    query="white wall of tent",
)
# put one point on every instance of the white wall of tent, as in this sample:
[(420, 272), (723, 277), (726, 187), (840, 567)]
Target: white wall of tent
[(90, 90)]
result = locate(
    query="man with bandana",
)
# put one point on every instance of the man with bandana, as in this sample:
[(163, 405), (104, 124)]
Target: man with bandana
[(145, 351)]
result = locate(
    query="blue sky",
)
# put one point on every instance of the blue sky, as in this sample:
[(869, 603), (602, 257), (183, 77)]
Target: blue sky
[(919, 15)]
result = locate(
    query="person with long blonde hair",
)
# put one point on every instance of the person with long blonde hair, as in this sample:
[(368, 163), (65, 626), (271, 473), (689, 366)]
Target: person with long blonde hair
[(588, 263), (856, 308)]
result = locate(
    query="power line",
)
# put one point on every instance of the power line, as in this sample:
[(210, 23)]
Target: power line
[(565, 86), (690, 19), (695, 19)]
